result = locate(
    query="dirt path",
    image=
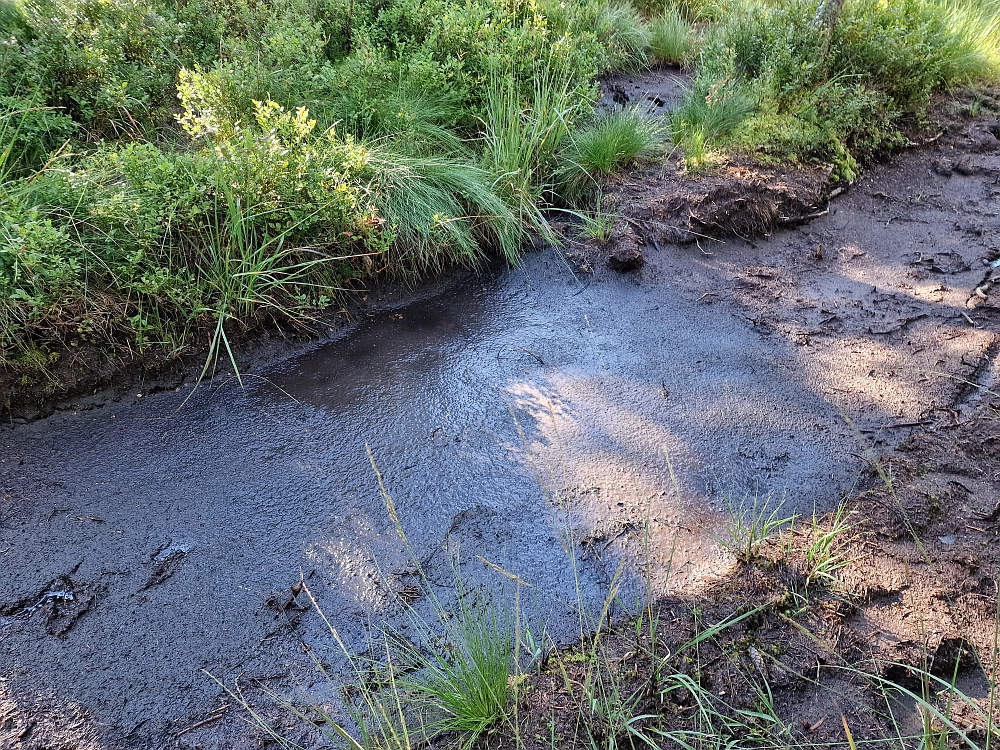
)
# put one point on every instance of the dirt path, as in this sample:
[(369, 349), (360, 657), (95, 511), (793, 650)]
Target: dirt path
[(142, 542)]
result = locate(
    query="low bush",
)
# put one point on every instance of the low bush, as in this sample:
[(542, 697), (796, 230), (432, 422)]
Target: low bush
[(773, 80)]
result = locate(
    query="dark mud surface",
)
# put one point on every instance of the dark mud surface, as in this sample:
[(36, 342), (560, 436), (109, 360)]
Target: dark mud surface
[(515, 415), (911, 605), (656, 92)]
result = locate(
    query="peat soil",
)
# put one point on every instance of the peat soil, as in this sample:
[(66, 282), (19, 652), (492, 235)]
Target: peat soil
[(522, 417)]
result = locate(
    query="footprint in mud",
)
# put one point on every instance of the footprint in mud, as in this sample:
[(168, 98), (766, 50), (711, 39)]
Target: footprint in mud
[(60, 604), (475, 531), (166, 561)]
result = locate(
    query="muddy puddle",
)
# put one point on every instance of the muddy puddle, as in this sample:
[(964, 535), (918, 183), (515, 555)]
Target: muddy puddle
[(518, 418)]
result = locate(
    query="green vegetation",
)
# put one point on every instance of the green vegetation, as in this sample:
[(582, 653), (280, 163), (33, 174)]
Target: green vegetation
[(773, 81), (176, 172), (602, 148), (750, 525), (671, 37), (172, 167)]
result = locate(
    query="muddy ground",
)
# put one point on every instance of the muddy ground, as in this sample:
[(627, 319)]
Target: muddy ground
[(518, 415), (915, 585)]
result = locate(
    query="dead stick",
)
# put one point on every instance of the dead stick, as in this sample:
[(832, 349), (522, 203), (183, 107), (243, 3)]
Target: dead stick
[(199, 725)]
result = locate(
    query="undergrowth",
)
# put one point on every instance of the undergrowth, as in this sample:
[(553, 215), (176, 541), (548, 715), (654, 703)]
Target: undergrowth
[(773, 80), (173, 169)]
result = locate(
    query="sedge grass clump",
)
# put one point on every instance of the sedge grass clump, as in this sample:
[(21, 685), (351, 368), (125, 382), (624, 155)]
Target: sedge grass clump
[(623, 37), (708, 116), (464, 678), (521, 135), (610, 143), (671, 38)]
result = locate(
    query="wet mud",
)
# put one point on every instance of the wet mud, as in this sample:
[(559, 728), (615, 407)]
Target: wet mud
[(518, 417)]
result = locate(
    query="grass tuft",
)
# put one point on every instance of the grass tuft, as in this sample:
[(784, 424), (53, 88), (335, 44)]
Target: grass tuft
[(671, 38), (607, 145), (467, 676), (748, 527)]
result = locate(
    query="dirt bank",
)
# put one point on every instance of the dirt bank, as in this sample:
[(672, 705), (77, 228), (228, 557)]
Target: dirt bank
[(914, 584)]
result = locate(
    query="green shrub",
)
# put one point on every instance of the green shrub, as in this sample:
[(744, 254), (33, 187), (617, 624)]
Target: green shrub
[(838, 98)]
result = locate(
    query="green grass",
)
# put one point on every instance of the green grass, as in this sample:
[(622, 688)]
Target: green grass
[(671, 38), (709, 117), (521, 135), (466, 682), (624, 36), (747, 527), (598, 224), (607, 145), (825, 551)]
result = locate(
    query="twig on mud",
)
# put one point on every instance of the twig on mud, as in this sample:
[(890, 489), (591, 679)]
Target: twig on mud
[(204, 722), (528, 351), (708, 294), (899, 426), (971, 321), (784, 221), (702, 236)]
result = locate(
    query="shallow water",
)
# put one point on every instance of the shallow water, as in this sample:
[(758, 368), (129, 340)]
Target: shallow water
[(238, 491)]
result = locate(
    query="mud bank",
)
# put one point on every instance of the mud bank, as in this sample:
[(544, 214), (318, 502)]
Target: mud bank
[(152, 539)]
